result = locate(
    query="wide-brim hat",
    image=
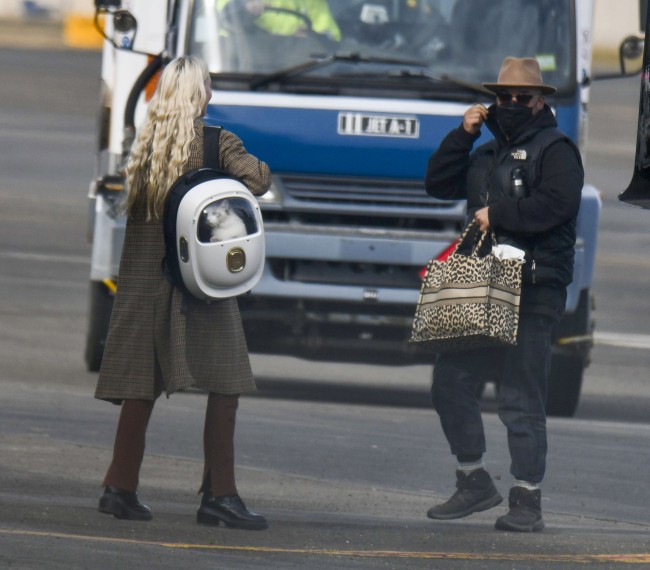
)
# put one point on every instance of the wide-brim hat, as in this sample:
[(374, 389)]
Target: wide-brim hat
[(517, 72)]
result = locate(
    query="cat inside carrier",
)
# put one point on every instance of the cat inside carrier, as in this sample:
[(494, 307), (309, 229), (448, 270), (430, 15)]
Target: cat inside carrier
[(214, 236)]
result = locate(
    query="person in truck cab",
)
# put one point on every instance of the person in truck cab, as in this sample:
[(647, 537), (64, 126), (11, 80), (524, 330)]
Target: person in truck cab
[(525, 184), (282, 17)]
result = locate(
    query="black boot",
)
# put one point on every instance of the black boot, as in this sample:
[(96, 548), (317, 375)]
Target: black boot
[(476, 492), (230, 510), (123, 505), (525, 514)]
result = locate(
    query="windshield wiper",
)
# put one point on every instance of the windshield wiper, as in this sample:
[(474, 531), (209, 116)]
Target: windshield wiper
[(442, 79), (322, 60), (449, 80)]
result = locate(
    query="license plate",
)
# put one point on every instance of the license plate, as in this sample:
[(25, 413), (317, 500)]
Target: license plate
[(363, 124)]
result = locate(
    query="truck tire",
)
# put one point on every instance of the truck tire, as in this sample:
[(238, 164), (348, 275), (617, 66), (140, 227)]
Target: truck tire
[(568, 367), (99, 316), (564, 385), (568, 364)]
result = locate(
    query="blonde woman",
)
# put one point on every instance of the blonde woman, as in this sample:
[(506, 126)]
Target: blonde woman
[(160, 339)]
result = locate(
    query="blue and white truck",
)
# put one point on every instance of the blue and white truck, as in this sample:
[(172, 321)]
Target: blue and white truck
[(346, 115)]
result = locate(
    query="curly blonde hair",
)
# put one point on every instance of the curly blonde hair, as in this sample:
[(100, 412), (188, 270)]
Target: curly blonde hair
[(162, 145)]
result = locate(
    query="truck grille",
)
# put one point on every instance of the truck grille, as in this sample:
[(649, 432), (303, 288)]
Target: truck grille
[(362, 192)]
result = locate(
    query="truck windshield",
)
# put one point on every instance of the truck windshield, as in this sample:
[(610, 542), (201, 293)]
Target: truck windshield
[(461, 39)]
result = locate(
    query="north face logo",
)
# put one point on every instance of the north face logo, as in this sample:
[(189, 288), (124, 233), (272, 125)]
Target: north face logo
[(519, 155)]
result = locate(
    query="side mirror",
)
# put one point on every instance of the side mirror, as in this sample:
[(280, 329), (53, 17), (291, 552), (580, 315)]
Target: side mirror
[(125, 26), (124, 22), (631, 49)]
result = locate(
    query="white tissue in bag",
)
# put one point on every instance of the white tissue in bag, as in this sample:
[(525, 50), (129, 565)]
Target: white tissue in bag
[(503, 251)]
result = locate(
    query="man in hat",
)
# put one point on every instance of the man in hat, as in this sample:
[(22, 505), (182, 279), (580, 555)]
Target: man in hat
[(525, 185)]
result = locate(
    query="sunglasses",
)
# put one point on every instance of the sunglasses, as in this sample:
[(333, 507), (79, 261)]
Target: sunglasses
[(523, 98)]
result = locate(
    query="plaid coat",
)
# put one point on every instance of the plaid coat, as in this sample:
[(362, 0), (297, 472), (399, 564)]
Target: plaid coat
[(158, 335)]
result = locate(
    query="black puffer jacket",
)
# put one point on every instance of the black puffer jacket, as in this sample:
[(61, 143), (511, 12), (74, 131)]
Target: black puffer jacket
[(541, 221)]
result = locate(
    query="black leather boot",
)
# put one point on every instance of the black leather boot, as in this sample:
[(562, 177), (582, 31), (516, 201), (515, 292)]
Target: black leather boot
[(525, 514), (123, 505), (230, 510), (475, 492)]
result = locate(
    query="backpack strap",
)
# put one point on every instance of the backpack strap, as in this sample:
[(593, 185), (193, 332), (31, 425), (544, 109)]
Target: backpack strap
[(211, 137)]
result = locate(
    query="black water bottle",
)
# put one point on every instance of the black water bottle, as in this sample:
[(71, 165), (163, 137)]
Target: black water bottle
[(517, 184)]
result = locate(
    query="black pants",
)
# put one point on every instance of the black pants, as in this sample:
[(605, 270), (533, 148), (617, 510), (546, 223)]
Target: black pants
[(522, 375)]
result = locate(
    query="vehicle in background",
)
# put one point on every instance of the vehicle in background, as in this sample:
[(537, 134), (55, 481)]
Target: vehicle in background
[(638, 191), (346, 114)]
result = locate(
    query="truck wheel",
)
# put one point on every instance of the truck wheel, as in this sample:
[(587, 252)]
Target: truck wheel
[(99, 316), (564, 385), (567, 368)]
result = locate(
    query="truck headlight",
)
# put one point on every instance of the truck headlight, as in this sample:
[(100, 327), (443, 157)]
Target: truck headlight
[(271, 196)]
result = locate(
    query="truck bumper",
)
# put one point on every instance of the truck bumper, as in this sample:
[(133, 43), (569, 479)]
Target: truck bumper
[(327, 330), (108, 238)]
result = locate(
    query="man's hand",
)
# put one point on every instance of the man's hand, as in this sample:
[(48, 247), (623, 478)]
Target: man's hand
[(474, 118), (482, 219)]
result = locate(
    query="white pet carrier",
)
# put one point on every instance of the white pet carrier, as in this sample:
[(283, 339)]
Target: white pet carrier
[(219, 237)]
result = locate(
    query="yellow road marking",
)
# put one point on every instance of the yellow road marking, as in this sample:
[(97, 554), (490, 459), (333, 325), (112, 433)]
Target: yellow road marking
[(110, 285), (575, 558)]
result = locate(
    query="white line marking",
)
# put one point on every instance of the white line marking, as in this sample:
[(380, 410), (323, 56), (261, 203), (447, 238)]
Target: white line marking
[(624, 340), (24, 282), (26, 256)]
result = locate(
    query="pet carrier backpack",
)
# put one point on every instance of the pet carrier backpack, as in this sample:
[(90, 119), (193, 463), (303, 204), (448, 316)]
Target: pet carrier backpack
[(214, 237)]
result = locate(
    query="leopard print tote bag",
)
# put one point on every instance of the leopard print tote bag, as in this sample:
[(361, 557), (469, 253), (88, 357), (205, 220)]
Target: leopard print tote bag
[(469, 301)]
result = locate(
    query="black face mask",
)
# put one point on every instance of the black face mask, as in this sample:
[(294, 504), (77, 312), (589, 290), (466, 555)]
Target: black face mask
[(512, 117)]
